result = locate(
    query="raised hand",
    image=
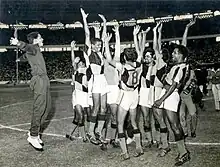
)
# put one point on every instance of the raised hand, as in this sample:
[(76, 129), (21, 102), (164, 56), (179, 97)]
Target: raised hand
[(77, 59), (84, 15), (155, 28), (191, 23), (136, 29), (97, 28), (102, 17), (13, 41), (160, 27), (116, 28), (73, 44), (145, 31), (16, 33), (108, 37)]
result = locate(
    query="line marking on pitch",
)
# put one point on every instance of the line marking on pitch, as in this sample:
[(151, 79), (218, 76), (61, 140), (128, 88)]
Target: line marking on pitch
[(23, 130), (63, 136), (199, 144), (52, 120), (14, 104), (194, 143)]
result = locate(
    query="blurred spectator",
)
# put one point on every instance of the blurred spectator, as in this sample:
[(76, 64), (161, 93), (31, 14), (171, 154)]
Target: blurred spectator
[(59, 63), (214, 77)]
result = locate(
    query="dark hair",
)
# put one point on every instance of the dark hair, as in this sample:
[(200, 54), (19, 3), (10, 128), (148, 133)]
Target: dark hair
[(130, 54), (81, 57), (95, 40), (182, 50), (166, 55), (148, 50), (31, 36), (122, 58)]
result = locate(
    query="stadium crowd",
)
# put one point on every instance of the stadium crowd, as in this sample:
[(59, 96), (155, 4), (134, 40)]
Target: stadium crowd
[(59, 63)]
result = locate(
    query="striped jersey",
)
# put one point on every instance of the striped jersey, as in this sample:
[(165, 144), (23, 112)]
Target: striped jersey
[(130, 75), (158, 72), (81, 79), (177, 74), (96, 61), (145, 76)]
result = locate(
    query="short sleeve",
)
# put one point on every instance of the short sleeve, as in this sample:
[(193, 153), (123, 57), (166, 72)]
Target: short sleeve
[(178, 74)]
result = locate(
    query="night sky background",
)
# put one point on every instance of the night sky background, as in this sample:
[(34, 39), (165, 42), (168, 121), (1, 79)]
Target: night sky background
[(67, 11)]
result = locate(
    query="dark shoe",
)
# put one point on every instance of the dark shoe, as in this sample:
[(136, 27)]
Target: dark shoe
[(158, 144), (100, 138), (149, 144), (217, 110), (186, 135), (103, 147), (183, 159), (138, 152), (114, 143), (85, 139), (164, 151), (193, 135), (70, 137), (125, 156), (93, 140)]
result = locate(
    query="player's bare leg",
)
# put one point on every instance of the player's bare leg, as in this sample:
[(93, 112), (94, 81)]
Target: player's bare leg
[(121, 135), (136, 131)]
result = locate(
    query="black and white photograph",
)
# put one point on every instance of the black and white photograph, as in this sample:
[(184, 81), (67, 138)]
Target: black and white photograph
[(109, 83)]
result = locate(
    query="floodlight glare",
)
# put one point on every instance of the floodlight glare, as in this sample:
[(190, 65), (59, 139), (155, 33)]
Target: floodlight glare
[(130, 23), (57, 26), (183, 17), (164, 19), (204, 15), (3, 26), (148, 20)]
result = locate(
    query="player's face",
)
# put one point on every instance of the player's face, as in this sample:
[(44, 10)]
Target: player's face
[(39, 40), (176, 55), (148, 57), (97, 46), (81, 64)]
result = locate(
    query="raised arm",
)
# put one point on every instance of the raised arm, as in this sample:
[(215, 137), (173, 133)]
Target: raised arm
[(159, 36), (97, 30), (136, 44), (104, 31), (140, 38), (86, 28), (184, 40), (73, 45), (155, 41), (28, 48), (143, 42), (117, 43), (107, 50)]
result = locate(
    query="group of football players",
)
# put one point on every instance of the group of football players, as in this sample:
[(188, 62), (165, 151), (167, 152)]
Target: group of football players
[(126, 81)]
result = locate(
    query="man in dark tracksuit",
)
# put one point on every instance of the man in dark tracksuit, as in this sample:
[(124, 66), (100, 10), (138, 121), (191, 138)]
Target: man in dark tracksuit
[(39, 84)]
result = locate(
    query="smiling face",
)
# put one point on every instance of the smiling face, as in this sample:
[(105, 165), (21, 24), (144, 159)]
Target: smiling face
[(97, 46), (148, 58)]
